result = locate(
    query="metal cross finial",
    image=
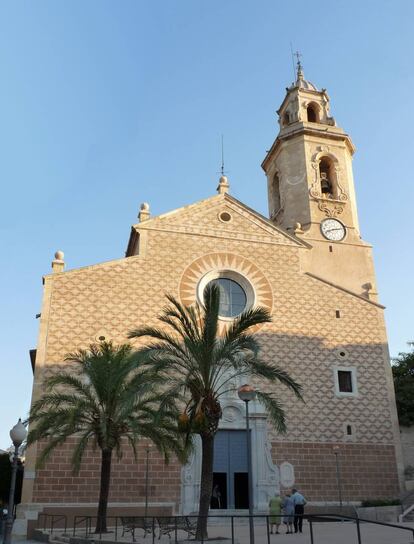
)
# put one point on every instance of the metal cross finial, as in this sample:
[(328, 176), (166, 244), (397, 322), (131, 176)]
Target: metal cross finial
[(222, 171), (299, 64), (222, 155)]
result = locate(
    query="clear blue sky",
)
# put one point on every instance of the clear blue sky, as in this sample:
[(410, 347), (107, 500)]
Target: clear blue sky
[(104, 105)]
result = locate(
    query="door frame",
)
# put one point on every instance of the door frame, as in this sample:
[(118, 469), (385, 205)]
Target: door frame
[(266, 476)]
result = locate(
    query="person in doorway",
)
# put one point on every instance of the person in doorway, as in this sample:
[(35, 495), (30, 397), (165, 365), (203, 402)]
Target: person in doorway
[(275, 510), (216, 497), (288, 512), (299, 501)]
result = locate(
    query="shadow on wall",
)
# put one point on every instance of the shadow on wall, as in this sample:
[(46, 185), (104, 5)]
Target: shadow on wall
[(346, 393)]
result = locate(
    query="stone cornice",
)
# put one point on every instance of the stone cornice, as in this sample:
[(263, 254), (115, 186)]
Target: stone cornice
[(345, 290), (324, 133)]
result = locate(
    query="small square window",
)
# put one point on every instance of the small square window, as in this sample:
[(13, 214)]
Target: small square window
[(345, 381)]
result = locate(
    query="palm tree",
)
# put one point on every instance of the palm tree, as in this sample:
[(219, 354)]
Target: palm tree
[(105, 398), (201, 363)]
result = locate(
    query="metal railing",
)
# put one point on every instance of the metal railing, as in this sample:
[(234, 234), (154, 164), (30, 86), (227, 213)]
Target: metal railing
[(357, 520), (50, 522), (87, 520), (119, 526)]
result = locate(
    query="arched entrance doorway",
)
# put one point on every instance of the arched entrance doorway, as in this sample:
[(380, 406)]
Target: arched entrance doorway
[(231, 464)]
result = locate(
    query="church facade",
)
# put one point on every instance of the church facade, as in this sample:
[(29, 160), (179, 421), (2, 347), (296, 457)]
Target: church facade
[(307, 264)]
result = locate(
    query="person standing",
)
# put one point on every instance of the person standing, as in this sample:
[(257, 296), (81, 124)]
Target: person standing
[(275, 510), (216, 497), (299, 501), (288, 512)]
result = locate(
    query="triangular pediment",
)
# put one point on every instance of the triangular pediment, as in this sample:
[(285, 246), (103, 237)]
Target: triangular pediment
[(222, 216)]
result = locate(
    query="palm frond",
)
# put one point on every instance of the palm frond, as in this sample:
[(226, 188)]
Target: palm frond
[(248, 319), (274, 409)]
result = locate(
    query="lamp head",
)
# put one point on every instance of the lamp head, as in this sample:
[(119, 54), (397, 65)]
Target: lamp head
[(18, 433), (246, 393)]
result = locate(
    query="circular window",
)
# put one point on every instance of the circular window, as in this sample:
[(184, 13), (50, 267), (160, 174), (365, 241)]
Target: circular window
[(233, 299), (342, 353), (236, 292), (225, 216)]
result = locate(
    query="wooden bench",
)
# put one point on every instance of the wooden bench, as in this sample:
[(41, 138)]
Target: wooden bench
[(131, 523)]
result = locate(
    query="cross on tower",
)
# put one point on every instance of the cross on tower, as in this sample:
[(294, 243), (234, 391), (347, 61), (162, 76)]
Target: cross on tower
[(299, 64)]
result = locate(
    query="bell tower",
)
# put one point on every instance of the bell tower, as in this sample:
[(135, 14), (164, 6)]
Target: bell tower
[(311, 188)]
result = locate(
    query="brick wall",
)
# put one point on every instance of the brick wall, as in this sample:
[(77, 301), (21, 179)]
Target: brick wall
[(57, 483), (366, 471)]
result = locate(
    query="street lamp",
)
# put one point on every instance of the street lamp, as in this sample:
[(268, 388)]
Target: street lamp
[(148, 449), (246, 394), (17, 434), (336, 451)]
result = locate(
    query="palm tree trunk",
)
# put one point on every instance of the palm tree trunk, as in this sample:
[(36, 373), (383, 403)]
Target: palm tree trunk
[(207, 446), (106, 459)]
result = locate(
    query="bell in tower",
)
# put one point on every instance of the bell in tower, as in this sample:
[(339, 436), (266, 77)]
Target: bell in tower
[(325, 179), (326, 186)]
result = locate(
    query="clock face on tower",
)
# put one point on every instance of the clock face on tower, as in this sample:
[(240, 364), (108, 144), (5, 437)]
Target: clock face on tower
[(332, 229)]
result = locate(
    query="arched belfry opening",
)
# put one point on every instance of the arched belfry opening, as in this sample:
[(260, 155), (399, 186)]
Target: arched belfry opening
[(327, 177), (312, 113)]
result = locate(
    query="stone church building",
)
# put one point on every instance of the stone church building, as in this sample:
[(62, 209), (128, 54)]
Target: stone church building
[(308, 264)]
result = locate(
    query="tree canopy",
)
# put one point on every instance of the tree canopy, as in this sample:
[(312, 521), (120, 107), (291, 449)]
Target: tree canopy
[(104, 399), (403, 374)]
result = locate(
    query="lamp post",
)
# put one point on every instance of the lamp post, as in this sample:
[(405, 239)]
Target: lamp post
[(148, 449), (17, 434), (336, 451), (246, 394)]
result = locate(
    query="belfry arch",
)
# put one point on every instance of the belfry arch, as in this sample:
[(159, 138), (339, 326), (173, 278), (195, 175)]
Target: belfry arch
[(312, 113), (326, 166)]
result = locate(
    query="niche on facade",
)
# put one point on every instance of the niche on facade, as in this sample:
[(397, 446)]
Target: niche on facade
[(286, 119)]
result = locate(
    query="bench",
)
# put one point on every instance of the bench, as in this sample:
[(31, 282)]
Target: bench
[(168, 525), (131, 523)]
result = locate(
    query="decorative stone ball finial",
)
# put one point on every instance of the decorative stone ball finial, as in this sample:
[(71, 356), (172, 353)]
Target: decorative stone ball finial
[(58, 263), (144, 212), (223, 186), (298, 229)]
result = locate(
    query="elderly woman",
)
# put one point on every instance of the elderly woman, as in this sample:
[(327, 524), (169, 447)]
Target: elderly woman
[(275, 510), (288, 512)]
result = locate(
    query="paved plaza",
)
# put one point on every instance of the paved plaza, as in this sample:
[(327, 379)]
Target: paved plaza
[(324, 533)]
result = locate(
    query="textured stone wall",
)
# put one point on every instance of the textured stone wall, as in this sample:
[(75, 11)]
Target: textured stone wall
[(304, 338)]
